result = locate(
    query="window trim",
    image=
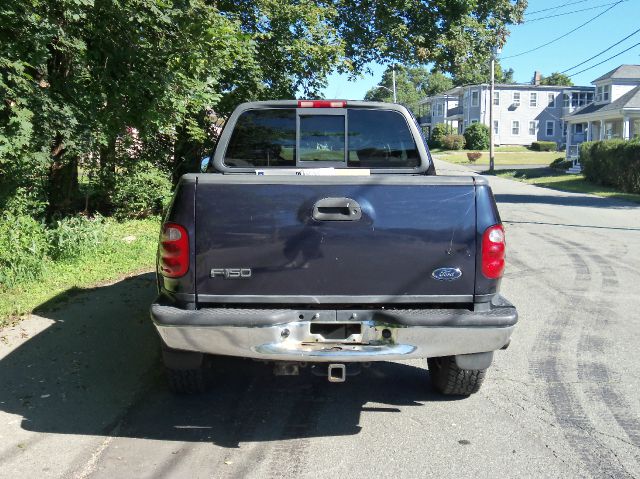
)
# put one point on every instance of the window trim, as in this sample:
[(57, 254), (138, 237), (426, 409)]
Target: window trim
[(513, 98), (551, 100), (477, 96), (533, 98), (496, 98), (513, 127), (535, 127), (553, 128), (496, 127)]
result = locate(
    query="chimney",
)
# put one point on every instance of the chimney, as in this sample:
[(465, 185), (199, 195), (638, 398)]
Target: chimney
[(537, 77)]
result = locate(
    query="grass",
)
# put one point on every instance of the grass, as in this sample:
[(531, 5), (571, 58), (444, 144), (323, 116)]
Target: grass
[(131, 248), (503, 157), (550, 178)]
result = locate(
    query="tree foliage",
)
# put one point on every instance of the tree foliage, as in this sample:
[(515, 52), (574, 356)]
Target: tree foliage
[(412, 85), (556, 79), (90, 86), (481, 73)]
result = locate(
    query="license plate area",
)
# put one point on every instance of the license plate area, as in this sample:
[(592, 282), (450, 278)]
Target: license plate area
[(335, 331)]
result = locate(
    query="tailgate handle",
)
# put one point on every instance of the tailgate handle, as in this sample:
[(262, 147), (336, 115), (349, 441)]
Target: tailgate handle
[(337, 209)]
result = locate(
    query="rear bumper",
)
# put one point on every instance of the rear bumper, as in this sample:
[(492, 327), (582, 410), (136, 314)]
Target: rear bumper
[(279, 334)]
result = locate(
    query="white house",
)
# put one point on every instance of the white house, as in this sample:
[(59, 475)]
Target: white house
[(615, 113), (523, 113)]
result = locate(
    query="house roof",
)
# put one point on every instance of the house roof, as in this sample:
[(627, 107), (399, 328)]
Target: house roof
[(631, 99), (623, 72), (455, 111)]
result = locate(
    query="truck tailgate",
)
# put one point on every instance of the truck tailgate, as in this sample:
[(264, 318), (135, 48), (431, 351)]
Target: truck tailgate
[(335, 240)]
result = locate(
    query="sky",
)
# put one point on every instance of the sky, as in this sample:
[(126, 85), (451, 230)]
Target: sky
[(585, 42)]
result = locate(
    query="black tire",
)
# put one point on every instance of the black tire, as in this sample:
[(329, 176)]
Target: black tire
[(187, 381), (187, 372), (448, 378)]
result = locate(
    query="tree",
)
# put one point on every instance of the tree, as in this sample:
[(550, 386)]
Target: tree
[(89, 85), (482, 74), (412, 85), (556, 79)]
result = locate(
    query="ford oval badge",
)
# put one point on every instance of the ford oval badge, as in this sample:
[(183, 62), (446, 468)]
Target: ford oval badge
[(446, 274)]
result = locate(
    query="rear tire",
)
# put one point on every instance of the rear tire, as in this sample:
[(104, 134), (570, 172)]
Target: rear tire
[(187, 381), (447, 378), (186, 371)]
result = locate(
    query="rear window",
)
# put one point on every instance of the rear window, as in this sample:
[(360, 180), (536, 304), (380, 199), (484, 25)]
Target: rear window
[(371, 139)]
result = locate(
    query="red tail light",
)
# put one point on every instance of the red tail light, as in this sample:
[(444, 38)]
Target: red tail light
[(322, 103), (493, 249), (174, 251)]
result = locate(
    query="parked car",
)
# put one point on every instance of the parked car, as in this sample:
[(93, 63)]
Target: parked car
[(322, 236)]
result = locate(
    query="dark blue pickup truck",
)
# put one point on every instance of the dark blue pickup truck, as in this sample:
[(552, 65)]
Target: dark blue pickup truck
[(320, 235)]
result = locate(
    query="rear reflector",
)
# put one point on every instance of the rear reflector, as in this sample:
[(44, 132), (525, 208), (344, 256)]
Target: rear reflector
[(493, 252), (322, 103), (174, 251)]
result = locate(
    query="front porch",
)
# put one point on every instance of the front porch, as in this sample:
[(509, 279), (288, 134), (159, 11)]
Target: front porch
[(625, 128)]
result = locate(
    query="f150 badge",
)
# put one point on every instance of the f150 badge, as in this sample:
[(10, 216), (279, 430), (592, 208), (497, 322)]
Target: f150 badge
[(446, 274), (231, 273)]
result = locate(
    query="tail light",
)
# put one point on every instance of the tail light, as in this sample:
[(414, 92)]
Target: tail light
[(174, 251), (322, 103), (493, 251)]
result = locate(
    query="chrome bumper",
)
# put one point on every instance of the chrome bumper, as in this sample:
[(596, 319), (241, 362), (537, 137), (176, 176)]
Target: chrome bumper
[(378, 339)]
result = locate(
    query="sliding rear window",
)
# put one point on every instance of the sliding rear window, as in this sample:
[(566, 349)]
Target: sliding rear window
[(357, 138)]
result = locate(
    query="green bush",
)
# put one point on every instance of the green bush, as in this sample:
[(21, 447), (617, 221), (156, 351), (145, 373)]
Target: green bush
[(439, 131), (477, 136), (23, 249), (561, 163), (453, 142), (544, 146), (612, 163), (73, 236), (141, 191)]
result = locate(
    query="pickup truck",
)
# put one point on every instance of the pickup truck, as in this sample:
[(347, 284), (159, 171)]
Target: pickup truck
[(320, 235)]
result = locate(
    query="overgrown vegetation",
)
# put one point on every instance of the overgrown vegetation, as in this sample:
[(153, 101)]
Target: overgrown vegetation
[(613, 163), (122, 248), (438, 132)]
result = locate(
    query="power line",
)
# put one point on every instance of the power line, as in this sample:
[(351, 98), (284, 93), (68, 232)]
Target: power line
[(603, 51), (566, 4), (569, 13), (566, 34), (605, 60)]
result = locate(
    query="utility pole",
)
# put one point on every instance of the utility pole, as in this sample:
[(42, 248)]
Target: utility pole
[(393, 72), (492, 160)]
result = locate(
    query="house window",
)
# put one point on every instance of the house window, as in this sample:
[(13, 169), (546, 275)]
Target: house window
[(532, 127), (552, 100), (515, 127), (516, 98), (551, 126), (496, 127), (496, 98), (606, 92), (566, 100), (474, 121), (533, 99), (475, 98), (599, 93), (578, 128)]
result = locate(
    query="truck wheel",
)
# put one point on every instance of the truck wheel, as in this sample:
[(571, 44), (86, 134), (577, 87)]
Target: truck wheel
[(448, 378), (187, 372), (187, 381)]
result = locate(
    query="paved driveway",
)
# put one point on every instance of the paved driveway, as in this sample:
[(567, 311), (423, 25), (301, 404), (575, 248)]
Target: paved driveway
[(81, 393)]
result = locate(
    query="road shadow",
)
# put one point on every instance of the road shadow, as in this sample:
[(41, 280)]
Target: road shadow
[(96, 371)]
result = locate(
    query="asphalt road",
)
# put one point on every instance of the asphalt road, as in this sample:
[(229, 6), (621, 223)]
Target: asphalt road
[(82, 395)]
